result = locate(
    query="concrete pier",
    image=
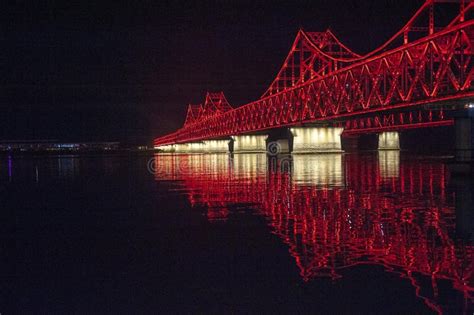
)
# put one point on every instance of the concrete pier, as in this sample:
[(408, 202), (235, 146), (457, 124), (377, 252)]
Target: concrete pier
[(207, 146), (463, 162), (280, 146), (250, 143), (389, 140), (351, 143), (316, 139), (464, 128), (216, 146)]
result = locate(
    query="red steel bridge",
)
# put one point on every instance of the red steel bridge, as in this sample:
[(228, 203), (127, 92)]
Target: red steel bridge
[(410, 81)]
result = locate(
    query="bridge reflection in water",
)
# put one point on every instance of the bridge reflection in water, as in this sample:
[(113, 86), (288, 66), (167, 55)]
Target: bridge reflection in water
[(335, 211)]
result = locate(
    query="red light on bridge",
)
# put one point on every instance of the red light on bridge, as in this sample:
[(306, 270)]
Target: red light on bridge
[(322, 80)]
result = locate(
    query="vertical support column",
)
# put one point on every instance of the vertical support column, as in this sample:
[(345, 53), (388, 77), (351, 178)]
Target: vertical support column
[(316, 139), (463, 163), (250, 143), (216, 146), (207, 146), (192, 147), (463, 124), (279, 141), (351, 143), (280, 146), (169, 148), (389, 140)]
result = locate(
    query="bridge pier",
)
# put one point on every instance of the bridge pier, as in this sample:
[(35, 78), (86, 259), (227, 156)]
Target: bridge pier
[(351, 143), (182, 147), (279, 141), (207, 146), (464, 145), (250, 143), (216, 146), (389, 140), (316, 139), (191, 147), (464, 128), (280, 146), (166, 148)]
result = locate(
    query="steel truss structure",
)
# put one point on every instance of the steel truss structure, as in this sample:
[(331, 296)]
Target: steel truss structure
[(323, 81)]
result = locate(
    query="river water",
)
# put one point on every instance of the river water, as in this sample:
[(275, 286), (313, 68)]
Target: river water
[(382, 232)]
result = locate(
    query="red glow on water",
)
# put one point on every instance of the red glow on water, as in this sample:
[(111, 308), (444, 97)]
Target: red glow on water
[(336, 211)]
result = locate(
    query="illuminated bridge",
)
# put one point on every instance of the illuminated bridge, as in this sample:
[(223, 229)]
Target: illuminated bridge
[(421, 77)]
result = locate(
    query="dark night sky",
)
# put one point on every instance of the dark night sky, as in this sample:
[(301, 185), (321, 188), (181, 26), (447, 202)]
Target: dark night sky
[(96, 70)]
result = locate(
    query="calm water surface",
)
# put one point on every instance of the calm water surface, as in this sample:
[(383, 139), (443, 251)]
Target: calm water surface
[(320, 234)]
